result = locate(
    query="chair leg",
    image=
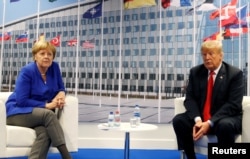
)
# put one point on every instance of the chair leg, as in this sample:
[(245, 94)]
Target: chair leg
[(183, 155)]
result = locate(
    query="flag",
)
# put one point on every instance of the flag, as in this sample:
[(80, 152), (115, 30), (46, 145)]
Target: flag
[(6, 36), (176, 3), (234, 31), (94, 12), (89, 44), (14, 1), (52, 0), (55, 41), (217, 36), (240, 27), (207, 5), (72, 42), (129, 4), (226, 11), (238, 18), (22, 38)]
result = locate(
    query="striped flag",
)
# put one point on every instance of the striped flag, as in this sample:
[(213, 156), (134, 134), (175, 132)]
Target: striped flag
[(89, 44), (22, 38)]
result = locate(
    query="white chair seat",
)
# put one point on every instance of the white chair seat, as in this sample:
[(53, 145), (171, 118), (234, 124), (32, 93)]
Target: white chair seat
[(20, 136)]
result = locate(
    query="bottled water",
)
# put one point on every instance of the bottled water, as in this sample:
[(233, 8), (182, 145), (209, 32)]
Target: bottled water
[(137, 115), (117, 117), (111, 119)]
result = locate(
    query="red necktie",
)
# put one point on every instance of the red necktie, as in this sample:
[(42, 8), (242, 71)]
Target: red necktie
[(207, 106)]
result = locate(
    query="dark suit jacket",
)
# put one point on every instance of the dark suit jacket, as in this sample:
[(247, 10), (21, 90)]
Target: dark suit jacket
[(227, 92)]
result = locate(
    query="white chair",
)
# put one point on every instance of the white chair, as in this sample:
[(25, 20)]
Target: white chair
[(17, 141), (201, 145)]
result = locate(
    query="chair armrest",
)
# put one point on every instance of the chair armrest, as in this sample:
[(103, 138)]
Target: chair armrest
[(2, 128), (69, 122), (179, 106), (245, 124)]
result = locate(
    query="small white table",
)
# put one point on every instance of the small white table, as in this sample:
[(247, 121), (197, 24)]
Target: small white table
[(125, 127)]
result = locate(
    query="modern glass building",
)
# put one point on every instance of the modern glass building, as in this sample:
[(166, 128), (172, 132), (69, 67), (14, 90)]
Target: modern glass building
[(145, 52)]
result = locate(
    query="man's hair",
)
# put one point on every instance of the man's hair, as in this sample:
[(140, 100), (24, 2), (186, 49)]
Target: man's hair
[(213, 45)]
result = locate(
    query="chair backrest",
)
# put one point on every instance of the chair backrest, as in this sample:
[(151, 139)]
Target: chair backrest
[(179, 105), (4, 96)]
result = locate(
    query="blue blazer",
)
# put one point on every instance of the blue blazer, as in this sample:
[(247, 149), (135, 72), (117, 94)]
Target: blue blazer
[(31, 91), (227, 92)]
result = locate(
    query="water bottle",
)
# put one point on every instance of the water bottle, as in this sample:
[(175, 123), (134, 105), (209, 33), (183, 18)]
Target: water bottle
[(137, 115), (117, 118), (111, 119)]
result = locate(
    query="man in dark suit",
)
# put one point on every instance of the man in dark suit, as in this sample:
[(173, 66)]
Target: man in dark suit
[(225, 112)]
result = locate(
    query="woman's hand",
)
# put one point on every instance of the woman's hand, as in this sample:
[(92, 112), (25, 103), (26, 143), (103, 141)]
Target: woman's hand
[(57, 102), (60, 99)]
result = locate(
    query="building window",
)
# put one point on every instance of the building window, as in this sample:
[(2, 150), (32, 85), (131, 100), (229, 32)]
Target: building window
[(152, 76), (127, 76), (170, 77)]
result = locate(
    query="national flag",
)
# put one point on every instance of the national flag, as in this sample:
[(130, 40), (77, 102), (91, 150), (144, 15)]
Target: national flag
[(238, 18), (176, 3), (52, 0), (217, 36), (6, 36), (234, 31), (226, 11), (94, 12), (55, 41), (14, 1), (207, 5), (89, 44), (129, 4), (22, 38), (72, 42), (240, 27)]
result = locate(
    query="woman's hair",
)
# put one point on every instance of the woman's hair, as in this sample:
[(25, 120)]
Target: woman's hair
[(43, 45), (214, 45)]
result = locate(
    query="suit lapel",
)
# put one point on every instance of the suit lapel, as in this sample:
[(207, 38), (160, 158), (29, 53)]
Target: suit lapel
[(218, 81), (203, 84)]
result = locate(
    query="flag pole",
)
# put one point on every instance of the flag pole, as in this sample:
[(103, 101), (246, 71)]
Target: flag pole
[(100, 100), (120, 60), (240, 61), (38, 19), (10, 67), (194, 32), (27, 42), (60, 48), (2, 47), (248, 56), (159, 76), (77, 48)]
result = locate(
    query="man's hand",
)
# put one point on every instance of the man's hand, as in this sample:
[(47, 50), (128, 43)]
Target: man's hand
[(200, 128)]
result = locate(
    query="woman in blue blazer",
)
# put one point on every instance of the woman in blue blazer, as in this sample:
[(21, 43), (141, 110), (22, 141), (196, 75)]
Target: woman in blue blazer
[(39, 90)]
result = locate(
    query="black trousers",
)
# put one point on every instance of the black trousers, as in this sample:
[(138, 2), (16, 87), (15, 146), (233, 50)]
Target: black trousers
[(47, 127), (225, 130)]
